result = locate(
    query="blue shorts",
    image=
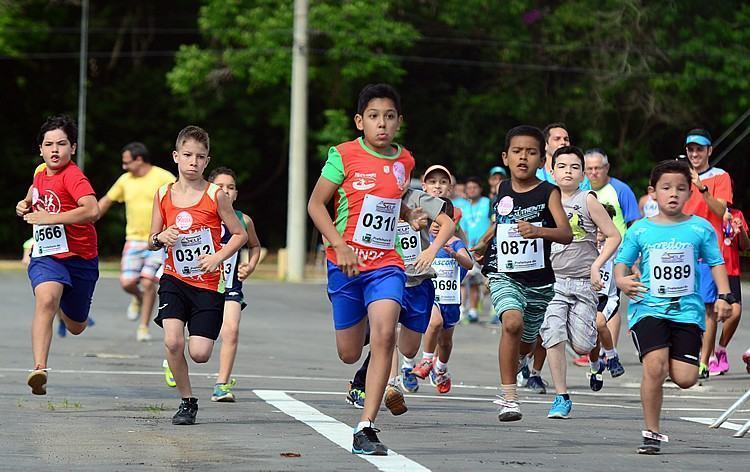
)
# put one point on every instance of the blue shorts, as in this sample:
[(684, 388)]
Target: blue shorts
[(708, 291), (450, 313), (350, 296), (78, 276), (417, 306)]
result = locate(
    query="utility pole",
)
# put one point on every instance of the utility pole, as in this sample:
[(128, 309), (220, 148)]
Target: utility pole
[(82, 68), (297, 194)]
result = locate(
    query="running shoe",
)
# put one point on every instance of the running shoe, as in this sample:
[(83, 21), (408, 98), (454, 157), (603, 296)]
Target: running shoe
[(536, 384), (703, 372), (186, 412), (134, 309), (472, 316), (355, 397), (614, 367), (582, 361), (522, 379), (651, 444), (423, 368), (509, 410), (168, 377), (223, 392), (142, 334), (90, 321), (441, 380), (62, 331), (746, 360), (37, 380), (394, 400), (366, 442), (713, 365), (596, 381), (723, 362), (560, 408), (409, 380), (494, 321)]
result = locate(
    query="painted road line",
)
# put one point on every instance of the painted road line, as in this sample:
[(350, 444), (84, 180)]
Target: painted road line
[(710, 421), (333, 430)]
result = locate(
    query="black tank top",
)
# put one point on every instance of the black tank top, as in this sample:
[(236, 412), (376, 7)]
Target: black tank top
[(533, 206)]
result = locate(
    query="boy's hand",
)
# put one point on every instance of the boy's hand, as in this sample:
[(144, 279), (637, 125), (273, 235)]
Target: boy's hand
[(209, 262), (244, 270), (347, 261), (632, 286), (22, 208), (39, 217), (696, 179), (528, 231), (417, 218), (447, 248), (478, 251), (424, 259), (723, 310), (169, 236), (596, 279)]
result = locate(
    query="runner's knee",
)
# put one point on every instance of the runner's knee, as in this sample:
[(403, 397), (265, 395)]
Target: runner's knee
[(174, 344)]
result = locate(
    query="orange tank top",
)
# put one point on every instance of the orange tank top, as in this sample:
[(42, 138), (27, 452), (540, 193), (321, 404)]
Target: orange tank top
[(200, 233)]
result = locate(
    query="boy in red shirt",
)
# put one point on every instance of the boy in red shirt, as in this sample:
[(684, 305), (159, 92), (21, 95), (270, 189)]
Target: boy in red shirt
[(64, 267)]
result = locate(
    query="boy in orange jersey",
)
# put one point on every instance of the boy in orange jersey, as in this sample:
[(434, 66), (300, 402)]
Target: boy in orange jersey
[(187, 220)]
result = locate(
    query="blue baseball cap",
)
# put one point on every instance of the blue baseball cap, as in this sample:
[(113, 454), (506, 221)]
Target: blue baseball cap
[(698, 136), (498, 170)]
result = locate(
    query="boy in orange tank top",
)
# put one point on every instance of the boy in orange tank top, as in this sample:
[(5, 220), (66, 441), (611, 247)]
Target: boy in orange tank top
[(187, 221)]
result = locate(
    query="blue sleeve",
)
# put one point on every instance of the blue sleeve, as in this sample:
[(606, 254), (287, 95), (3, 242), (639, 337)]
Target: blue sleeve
[(457, 245), (628, 202), (709, 251), (630, 249), (586, 184)]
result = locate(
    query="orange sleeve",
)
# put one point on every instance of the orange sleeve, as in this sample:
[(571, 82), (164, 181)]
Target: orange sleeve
[(723, 189)]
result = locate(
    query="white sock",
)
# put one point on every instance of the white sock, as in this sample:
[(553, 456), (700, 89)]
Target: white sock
[(428, 355), (392, 381), (441, 366), (408, 362), (610, 353), (362, 425)]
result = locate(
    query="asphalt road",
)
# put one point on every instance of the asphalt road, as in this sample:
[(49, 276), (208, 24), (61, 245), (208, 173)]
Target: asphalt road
[(107, 407)]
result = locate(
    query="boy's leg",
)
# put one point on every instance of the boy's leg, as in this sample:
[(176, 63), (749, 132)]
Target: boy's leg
[(47, 301), (655, 370), (709, 337), (730, 325), (605, 336), (614, 324), (360, 376), (200, 348), (445, 341), (174, 344), (554, 334), (383, 315), (230, 330), (430, 341)]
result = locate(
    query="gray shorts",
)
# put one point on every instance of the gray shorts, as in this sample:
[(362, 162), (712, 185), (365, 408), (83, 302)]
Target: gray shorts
[(571, 315), (508, 294)]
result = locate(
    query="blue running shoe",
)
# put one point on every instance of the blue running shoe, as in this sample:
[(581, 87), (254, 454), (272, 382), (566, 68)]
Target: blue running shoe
[(536, 384), (596, 381), (614, 367), (408, 380), (61, 329), (560, 408)]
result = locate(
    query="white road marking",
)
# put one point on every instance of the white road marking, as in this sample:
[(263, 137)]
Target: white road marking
[(334, 430), (709, 421)]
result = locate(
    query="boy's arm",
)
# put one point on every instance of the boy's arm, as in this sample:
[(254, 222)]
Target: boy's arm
[(721, 307), (464, 259), (245, 269), (104, 203), (562, 234), (165, 237), (479, 249), (601, 219), (628, 282), (24, 206), (86, 212), (447, 228), (210, 262)]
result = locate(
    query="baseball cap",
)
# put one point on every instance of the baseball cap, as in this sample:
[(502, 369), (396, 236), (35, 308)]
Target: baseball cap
[(434, 168), (498, 170), (698, 136)]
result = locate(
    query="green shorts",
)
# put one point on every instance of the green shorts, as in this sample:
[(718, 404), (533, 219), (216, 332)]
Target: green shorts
[(508, 294)]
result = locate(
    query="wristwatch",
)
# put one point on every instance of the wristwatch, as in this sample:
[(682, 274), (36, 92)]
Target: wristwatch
[(704, 189), (155, 241), (727, 297)]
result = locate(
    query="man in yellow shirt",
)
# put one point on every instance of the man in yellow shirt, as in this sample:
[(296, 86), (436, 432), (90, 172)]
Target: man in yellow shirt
[(140, 268)]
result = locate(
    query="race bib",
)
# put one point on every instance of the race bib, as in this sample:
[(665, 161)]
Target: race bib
[(448, 281), (672, 272), (188, 248), (230, 267), (376, 226), (49, 240), (517, 254), (410, 242), (605, 272)]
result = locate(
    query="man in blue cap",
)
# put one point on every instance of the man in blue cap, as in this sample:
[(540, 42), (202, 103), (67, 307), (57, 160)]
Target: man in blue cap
[(497, 175)]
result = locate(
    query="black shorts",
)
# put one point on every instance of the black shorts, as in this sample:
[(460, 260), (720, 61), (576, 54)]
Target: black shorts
[(235, 295), (609, 310), (202, 310), (683, 339), (735, 286)]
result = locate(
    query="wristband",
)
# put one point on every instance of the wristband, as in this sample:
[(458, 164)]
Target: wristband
[(155, 241)]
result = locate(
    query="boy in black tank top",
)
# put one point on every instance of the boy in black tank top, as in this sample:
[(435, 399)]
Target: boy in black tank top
[(515, 251)]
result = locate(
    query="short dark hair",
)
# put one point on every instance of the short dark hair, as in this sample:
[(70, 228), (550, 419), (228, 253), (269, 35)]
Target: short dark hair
[(63, 122), (137, 149), (611, 211), (551, 126), (221, 171), (474, 179), (525, 130), (371, 92), (671, 166), (568, 150), (448, 208), (192, 132)]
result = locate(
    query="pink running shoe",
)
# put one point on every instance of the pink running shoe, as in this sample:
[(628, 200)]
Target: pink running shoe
[(713, 365), (441, 380), (746, 360), (723, 362), (423, 368)]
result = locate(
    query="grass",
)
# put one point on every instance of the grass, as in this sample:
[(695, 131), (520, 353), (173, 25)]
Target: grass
[(154, 408), (63, 405)]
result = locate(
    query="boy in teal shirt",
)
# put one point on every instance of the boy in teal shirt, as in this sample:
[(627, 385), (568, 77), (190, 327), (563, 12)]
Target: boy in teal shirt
[(666, 313)]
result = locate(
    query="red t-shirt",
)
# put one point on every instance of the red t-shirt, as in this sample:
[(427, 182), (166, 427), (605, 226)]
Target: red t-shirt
[(720, 187), (731, 252), (59, 193)]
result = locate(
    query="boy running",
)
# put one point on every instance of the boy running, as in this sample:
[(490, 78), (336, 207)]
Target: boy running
[(187, 219), (528, 217), (666, 314), (235, 272), (571, 315), (64, 267), (368, 176)]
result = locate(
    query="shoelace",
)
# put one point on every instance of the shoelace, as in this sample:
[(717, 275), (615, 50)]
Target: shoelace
[(183, 408), (370, 433), (503, 402)]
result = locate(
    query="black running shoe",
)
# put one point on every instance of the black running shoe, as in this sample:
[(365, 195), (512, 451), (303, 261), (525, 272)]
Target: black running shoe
[(187, 411), (650, 447), (367, 442)]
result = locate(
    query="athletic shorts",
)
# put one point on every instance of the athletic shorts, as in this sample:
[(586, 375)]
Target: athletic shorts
[(200, 309), (137, 261), (350, 296), (508, 294), (474, 276), (78, 277), (417, 306), (451, 314), (708, 291), (608, 306), (735, 287), (235, 295), (682, 339), (571, 315)]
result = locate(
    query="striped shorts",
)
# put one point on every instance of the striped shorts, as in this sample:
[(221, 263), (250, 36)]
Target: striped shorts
[(508, 294), (571, 315)]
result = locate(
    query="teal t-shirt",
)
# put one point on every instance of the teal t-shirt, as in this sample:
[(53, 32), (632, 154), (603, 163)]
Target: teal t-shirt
[(669, 256)]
